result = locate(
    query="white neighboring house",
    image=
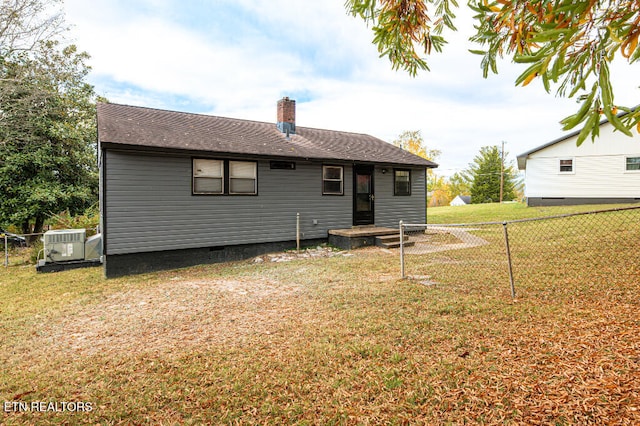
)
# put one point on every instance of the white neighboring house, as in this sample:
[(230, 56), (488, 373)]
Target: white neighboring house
[(604, 171), (461, 200)]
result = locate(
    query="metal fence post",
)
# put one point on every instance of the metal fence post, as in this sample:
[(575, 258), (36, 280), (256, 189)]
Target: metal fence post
[(297, 232), (6, 251), (506, 240), (401, 225)]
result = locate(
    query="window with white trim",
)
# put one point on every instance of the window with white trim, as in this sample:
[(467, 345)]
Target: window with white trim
[(332, 180), (566, 165), (208, 176), (242, 177), (633, 164), (224, 177)]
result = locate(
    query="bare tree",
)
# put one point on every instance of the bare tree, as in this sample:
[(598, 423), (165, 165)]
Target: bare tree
[(24, 23)]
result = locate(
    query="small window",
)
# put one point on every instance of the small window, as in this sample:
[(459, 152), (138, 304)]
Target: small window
[(282, 165), (208, 176), (242, 177), (332, 180), (633, 163), (402, 182), (566, 165)]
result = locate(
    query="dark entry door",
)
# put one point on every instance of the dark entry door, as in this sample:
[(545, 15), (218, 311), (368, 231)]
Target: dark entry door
[(363, 195)]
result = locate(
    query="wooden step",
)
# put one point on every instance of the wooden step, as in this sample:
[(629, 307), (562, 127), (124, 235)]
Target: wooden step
[(393, 238), (396, 245), (393, 241)]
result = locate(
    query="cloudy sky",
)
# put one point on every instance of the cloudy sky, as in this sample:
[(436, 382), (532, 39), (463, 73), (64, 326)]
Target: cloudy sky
[(236, 58)]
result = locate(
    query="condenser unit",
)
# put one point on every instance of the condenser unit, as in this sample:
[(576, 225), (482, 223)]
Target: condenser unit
[(62, 245), (93, 248)]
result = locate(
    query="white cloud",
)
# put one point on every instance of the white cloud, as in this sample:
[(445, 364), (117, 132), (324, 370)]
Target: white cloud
[(237, 58)]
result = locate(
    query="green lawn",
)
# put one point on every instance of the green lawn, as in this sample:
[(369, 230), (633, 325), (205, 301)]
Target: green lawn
[(337, 340), (473, 213)]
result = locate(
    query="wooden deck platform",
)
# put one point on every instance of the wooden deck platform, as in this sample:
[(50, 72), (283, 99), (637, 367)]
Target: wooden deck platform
[(363, 231)]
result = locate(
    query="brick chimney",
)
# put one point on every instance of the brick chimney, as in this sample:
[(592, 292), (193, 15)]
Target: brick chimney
[(286, 116)]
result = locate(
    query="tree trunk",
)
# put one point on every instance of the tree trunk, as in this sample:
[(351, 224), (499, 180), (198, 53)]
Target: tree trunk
[(26, 227), (37, 228)]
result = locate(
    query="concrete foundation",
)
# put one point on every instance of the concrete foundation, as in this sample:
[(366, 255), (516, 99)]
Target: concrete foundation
[(65, 266), (118, 265)]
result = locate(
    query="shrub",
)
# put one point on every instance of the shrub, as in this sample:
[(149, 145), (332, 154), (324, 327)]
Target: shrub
[(89, 220), (34, 249)]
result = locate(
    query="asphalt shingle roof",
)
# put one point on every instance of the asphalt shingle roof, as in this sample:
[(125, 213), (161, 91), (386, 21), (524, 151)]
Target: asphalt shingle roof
[(130, 126)]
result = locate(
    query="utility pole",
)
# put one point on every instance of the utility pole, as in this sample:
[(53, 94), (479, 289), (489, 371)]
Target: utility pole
[(501, 172)]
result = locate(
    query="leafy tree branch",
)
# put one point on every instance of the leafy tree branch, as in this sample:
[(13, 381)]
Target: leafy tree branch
[(567, 44)]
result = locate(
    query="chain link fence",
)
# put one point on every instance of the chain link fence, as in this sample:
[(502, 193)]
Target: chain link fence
[(597, 247), (16, 246)]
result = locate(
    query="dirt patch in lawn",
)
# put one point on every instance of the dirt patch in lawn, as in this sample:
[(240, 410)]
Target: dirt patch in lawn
[(178, 313)]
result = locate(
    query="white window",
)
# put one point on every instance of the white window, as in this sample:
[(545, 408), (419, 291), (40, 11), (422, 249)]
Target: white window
[(332, 180), (633, 164), (566, 165), (208, 176), (242, 177)]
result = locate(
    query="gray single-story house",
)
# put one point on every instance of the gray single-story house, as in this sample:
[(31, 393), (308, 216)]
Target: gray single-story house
[(180, 189)]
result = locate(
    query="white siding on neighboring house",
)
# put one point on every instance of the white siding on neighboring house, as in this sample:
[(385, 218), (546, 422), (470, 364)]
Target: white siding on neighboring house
[(599, 168)]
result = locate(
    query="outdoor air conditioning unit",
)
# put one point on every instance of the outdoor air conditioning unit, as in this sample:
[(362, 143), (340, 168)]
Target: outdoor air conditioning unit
[(64, 244), (93, 248)]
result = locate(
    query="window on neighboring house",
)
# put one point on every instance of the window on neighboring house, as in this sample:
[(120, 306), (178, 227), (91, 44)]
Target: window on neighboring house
[(242, 177), (402, 182), (332, 180), (566, 165), (633, 163), (208, 176)]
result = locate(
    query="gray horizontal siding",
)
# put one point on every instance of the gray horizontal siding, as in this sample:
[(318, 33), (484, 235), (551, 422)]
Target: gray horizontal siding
[(390, 209), (149, 206)]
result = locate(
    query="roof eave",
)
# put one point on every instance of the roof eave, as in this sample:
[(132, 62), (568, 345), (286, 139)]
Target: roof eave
[(522, 158), (185, 151)]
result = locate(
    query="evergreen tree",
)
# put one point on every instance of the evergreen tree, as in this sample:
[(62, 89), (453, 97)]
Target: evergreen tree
[(485, 174), (459, 184)]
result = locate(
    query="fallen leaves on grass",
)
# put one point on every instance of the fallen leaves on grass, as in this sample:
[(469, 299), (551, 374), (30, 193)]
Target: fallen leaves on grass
[(176, 314), (337, 341)]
